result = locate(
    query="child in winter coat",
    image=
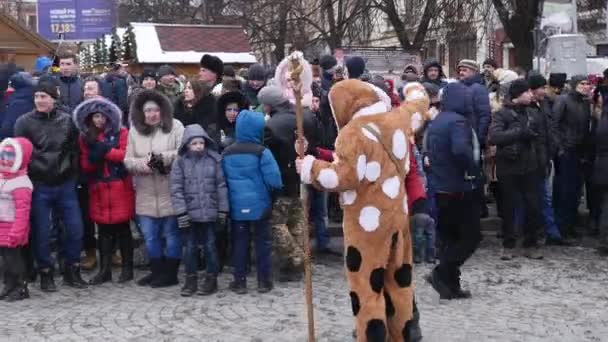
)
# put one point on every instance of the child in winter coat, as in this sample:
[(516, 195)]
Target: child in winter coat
[(103, 145), (15, 204), (200, 198), (252, 174)]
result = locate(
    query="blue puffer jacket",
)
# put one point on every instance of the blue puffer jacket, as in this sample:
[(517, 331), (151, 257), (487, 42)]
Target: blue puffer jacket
[(198, 186), (19, 103), (481, 115), (250, 169), (450, 143)]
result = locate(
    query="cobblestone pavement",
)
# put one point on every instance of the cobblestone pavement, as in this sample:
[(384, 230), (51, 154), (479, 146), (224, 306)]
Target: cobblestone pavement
[(563, 298)]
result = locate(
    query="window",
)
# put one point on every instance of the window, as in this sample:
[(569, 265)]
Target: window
[(602, 50), (32, 23)]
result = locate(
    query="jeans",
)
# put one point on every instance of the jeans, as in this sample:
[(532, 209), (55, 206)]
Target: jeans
[(201, 233), (459, 227), (318, 216), (567, 189), (63, 200), (518, 189), (88, 225), (161, 236), (551, 230), (263, 248)]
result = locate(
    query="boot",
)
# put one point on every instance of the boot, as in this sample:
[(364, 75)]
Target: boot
[(533, 253), (125, 244), (190, 286), (20, 292), (106, 243), (10, 283), (168, 273), (155, 271), (290, 273), (457, 290), (72, 277), (47, 283), (440, 284), (239, 286), (413, 332), (90, 260), (264, 286), (209, 285)]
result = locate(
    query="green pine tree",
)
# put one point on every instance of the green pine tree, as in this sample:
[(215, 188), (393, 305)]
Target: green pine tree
[(115, 53), (129, 48)]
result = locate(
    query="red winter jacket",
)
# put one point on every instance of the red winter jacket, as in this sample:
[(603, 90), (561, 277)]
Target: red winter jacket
[(111, 194), (413, 183)]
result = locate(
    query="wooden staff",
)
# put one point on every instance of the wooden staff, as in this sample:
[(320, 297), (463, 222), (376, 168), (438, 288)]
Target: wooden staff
[(295, 70)]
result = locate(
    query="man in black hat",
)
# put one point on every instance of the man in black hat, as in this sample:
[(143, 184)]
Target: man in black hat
[(514, 132), (211, 71)]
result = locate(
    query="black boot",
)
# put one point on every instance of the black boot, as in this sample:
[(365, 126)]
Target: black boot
[(10, 283), (190, 286), (456, 288), (209, 285), (155, 272), (72, 277), (239, 286), (289, 273), (20, 292), (106, 246), (168, 273), (47, 282), (413, 333), (265, 286), (440, 283), (125, 244)]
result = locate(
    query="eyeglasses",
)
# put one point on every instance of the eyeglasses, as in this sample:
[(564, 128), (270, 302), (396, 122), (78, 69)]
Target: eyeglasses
[(236, 110)]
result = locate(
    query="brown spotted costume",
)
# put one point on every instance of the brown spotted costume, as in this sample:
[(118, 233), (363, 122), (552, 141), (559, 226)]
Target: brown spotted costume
[(370, 165)]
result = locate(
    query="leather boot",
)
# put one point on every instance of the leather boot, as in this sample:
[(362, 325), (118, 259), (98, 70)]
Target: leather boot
[(190, 286), (72, 277), (155, 271), (125, 244), (168, 273), (457, 290), (106, 244), (90, 260), (10, 283), (209, 285), (47, 282), (20, 291)]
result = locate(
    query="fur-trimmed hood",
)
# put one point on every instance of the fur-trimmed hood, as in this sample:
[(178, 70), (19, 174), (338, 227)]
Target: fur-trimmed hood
[(98, 105), (137, 112), (351, 98), (22, 149)]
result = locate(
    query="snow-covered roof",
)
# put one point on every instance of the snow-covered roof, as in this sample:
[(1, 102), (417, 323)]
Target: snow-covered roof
[(150, 50)]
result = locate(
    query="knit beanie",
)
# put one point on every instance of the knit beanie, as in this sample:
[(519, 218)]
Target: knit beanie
[(256, 72), (272, 96), (355, 66), (327, 62), (557, 80), (468, 63), (148, 73), (47, 88), (165, 70), (431, 88), (536, 80), (517, 88), (410, 68), (576, 79)]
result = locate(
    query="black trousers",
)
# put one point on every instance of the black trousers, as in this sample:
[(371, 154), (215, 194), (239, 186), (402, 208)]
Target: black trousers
[(459, 227), (521, 191), (14, 262), (88, 226)]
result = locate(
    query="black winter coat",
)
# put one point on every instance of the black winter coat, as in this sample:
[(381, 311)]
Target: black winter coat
[(545, 143), (55, 140), (204, 113), (515, 154), (280, 137), (600, 165), (572, 115)]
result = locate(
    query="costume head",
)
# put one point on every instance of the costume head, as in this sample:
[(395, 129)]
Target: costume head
[(282, 80)]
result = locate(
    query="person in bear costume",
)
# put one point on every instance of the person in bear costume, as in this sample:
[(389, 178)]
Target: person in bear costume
[(372, 159)]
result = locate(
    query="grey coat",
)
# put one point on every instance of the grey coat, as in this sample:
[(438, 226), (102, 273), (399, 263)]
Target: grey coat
[(198, 187)]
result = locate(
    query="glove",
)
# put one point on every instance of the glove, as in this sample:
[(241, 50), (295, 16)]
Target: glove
[(98, 151), (222, 218), (156, 164), (183, 221)]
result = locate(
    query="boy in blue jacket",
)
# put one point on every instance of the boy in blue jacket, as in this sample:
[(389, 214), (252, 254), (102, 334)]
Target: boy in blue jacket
[(252, 174)]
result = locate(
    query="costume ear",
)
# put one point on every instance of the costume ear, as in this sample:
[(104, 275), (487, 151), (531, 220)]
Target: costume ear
[(417, 100)]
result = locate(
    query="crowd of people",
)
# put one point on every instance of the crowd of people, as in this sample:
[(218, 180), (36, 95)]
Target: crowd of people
[(208, 163)]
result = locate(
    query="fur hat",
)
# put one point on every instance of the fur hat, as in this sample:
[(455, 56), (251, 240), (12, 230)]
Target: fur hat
[(469, 64), (47, 87), (272, 96), (213, 64), (165, 70), (327, 62), (536, 80), (137, 111), (257, 72), (410, 68), (355, 66), (517, 88), (557, 80), (98, 105), (223, 102)]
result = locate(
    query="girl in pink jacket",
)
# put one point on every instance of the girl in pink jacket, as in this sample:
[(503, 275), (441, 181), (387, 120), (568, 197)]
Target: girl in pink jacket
[(15, 204)]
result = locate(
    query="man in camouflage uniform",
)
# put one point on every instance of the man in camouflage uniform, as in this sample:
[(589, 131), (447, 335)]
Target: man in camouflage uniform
[(288, 216)]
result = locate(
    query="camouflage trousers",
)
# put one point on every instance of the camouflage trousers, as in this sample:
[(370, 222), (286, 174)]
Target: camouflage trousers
[(288, 229)]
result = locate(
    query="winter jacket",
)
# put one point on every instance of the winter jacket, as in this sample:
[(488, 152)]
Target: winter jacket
[(414, 186), (450, 143), (572, 115), (328, 131), (111, 194), (70, 92), (152, 189), (545, 142), (173, 92), (440, 81), (55, 140), (19, 103), (515, 153), (198, 187), (600, 165), (204, 113), (15, 195), (280, 137), (480, 117), (251, 95), (251, 170), (116, 90)]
